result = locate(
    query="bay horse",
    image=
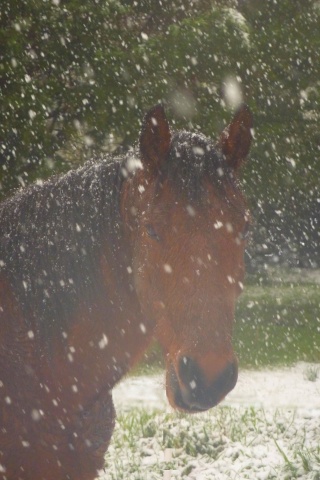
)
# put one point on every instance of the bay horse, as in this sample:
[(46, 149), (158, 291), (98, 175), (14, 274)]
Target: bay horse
[(96, 263)]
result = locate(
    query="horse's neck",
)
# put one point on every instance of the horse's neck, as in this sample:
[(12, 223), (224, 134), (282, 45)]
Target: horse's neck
[(107, 336)]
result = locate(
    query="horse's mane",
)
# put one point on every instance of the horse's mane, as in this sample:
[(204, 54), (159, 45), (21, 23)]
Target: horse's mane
[(194, 159), (51, 237)]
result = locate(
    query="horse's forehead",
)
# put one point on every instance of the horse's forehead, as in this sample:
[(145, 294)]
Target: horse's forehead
[(190, 140), (173, 209)]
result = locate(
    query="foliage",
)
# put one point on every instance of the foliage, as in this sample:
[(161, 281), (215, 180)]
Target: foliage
[(77, 77), (285, 87), (58, 76)]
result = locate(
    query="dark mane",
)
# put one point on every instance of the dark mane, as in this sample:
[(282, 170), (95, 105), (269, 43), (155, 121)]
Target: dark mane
[(52, 235), (194, 158)]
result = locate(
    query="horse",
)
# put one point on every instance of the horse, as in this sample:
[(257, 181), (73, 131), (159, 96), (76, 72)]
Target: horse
[(95, 264)]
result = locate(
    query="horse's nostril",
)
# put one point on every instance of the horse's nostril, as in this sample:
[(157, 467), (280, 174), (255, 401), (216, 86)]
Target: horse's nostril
[(227, 378), (195, 392), (189, 372)]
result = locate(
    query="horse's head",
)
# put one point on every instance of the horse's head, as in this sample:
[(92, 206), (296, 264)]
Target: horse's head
[(188, 222)]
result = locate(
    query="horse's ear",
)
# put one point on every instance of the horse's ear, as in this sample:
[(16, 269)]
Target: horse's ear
[(155, 138), (235, 139)]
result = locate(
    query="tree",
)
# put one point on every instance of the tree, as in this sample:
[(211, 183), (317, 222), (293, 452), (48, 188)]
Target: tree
[(284, 80), (80, 76), (58, 70)]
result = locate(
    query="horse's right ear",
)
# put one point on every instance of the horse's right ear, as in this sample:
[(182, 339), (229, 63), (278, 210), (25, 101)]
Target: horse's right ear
[(155, 138)]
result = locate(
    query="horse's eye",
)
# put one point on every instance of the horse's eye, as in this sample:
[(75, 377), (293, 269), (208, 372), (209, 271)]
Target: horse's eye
[(152, 233)]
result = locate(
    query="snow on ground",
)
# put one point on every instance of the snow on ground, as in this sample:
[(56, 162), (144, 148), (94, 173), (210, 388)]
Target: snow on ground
[(267, 428), (277, 387)]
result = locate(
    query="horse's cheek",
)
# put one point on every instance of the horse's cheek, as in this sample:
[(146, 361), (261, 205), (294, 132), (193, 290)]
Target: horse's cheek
[(144, 273), (165, 334)]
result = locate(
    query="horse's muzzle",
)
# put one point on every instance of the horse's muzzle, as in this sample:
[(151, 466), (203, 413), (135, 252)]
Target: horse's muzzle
[(189, 390)]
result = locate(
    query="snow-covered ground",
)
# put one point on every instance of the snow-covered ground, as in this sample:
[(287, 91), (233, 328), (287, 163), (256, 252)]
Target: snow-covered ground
[(288, 387), (267, 428)]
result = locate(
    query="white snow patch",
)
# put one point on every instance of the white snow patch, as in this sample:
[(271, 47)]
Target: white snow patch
[(103, 342), (191, 211), (269, 415), (232, 92), (35, 415), (134, 164), (167, 268), (220, 172), (198, 151), (193, 384), (143, 328), (274, 388), (217, 225)]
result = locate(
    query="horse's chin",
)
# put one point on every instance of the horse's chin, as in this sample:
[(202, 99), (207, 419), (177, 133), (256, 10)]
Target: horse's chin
[(175, 395)]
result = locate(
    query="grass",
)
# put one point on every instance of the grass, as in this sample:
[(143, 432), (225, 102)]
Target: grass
[(311, 373), (261, 444), (277, 323)]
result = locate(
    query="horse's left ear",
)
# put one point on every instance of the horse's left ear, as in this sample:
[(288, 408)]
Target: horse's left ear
[(155, 138), (236, 138)]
